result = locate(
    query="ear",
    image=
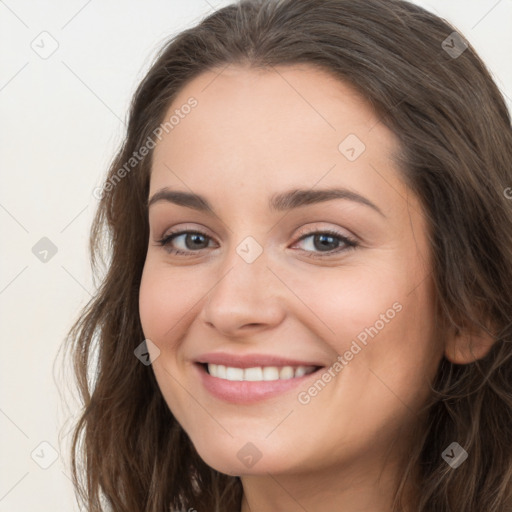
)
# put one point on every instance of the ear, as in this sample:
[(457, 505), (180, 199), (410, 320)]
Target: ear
[(468, 345)]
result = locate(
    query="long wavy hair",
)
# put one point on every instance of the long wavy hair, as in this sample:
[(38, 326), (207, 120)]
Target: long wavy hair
[(128, 451)]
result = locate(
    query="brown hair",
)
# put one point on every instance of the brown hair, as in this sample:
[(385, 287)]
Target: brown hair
[(129, 453)]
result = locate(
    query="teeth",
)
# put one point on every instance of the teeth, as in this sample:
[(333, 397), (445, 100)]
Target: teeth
[(234, 373), (286, 372), (221, 371), (270, 373), (253, 374), (300, 371), (258, 373)]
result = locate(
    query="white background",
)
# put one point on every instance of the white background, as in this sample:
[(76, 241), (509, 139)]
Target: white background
[(62, 118)]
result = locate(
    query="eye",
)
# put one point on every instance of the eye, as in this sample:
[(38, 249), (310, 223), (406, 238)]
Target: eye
[(192, 240), (326, 243), (323, 243)]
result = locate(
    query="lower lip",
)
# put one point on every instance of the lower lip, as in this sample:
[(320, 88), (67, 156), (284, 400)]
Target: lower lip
[(247, 392)]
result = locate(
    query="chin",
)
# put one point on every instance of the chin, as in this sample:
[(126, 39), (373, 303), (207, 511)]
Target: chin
[(242, 458)]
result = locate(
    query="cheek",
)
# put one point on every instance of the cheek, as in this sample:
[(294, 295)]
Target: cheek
[(153, 300), (351, 302), (163, 305), (377, 321), (163, 301), (384, 334)]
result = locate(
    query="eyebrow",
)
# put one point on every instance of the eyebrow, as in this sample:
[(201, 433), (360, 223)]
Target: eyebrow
[(282, 201)]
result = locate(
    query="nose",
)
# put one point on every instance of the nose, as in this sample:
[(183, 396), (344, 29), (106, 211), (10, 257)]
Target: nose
[(247, 298)]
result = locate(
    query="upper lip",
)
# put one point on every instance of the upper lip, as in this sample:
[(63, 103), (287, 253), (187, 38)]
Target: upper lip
[(251, 360)]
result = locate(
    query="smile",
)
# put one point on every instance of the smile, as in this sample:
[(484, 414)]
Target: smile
[(258, 373), (245, 381)]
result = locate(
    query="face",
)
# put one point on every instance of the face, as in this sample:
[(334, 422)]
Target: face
[(289, 332)]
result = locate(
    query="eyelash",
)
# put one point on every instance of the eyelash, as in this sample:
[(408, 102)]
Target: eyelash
[(350, 243)]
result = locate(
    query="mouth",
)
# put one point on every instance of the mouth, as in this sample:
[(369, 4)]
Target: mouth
[(244, 382), (258, 373)]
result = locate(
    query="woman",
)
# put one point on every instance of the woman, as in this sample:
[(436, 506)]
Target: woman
[(307, 298)]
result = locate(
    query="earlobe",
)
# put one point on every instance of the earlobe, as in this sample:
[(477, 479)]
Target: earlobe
[(464, 347)]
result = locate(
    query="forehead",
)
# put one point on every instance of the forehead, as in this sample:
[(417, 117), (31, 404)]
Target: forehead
[(269, 129)]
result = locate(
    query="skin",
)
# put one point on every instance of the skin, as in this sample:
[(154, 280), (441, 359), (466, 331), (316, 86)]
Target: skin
[(255, 133)]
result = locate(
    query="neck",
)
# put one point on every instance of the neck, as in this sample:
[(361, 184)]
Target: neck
[(364, 485)]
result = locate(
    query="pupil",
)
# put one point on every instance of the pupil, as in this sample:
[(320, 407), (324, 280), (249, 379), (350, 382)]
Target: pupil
[(322, 245), (195, 238), (324, 241)]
